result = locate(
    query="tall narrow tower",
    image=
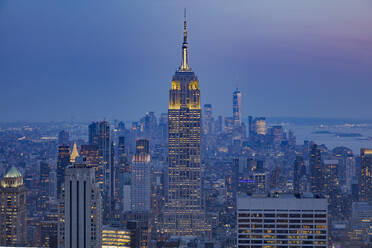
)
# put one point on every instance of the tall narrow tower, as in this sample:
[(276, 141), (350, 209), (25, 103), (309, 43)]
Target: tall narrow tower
[(13, 209), (99, 134), (365, 180), (237, 102), (184, 213), (82, 219)]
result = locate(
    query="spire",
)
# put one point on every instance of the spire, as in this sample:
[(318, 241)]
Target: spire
[(185, 60), (184, 28), (74, 153)]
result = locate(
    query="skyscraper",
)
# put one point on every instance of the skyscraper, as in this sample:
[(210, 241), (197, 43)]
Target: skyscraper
[(120, 171), (316, 170), (13, 209), (82, 224), (99, 134), (124, 177), (141, 190), (90, 154), (62, 162), (141, 194), (365, 180), (299, 171), (331, 186), (258, 126), (237, 102), (184, 213), (44, 185), (63, 138), (208, 120)]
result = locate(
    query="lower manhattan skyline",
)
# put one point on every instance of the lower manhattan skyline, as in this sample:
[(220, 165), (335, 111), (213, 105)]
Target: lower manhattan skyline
[(284, 61)]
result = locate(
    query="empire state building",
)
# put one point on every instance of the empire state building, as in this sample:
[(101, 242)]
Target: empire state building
[(184, 214)]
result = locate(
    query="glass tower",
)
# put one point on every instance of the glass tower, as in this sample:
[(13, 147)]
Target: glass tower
[(237, 102)]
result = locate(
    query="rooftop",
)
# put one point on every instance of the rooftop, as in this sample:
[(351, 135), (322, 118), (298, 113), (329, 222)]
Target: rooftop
[(13, 173)]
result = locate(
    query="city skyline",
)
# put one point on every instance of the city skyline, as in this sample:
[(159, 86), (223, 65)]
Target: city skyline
[(68, 55), (214, 171)]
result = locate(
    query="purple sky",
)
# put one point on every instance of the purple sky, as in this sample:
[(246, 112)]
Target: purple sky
[(93, 59)]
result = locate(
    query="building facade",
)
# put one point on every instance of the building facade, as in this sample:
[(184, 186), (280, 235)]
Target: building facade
[(316, 171), (365, 181), (141, 188), (62, 162), (116, 237), (82, 219), (281, 221), (13, 210), (99, 135), (184, 213)]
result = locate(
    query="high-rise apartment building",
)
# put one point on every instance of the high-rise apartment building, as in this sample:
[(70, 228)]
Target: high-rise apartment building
[(63, 138), (281, 220), (316, 170), (44, 185), (13, 209), (299, 171), (99, 134), (82, 219), (365, 180), (141, 191), (62, 162), (258, 126), (123, 175), (49, 229), (208, 122), (259, 179), (141, 188), (184, 214), (113, 237), (331, 186), (218, 128), (90, 155), (350, 172)]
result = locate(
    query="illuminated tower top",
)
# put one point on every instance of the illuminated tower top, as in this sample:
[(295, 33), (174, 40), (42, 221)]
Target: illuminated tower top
[(184, 211), (185, 60), (185, 91), (237, 102), (74, 153), (12, 179)]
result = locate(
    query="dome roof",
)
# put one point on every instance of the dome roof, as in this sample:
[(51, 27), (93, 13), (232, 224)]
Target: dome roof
[(12, 179), (13, 173)]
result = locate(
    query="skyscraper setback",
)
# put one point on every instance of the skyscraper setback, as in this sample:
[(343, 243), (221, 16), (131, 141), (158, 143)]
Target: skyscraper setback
[(184, 213)]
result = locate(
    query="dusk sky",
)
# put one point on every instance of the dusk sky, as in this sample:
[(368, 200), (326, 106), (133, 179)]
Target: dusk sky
[(96, 59)]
